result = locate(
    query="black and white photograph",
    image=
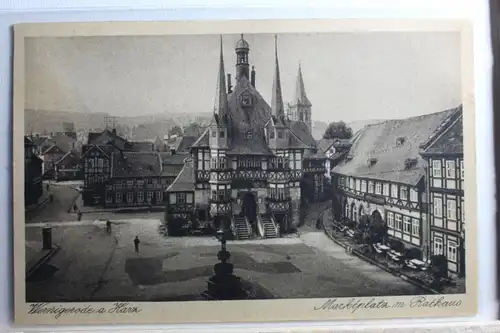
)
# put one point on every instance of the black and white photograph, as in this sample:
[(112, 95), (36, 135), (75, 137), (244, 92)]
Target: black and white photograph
[(245, 166)]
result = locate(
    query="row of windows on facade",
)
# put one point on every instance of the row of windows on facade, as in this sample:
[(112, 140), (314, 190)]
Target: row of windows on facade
[(395, 221), (181, 198), (205, 162), (132, 197), (451, 209), (96, 162), (451, 169), (121, 184), (274, 191), (138, 183), (379, 188), (451, 249), (406, 224)]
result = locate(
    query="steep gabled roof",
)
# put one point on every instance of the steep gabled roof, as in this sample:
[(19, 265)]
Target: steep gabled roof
[(107, 137), (54, 149), (301, 131), (450, 141), (390, 144), (73, 158), (203, 140), (184, 180), (135, 164), (245, 121)]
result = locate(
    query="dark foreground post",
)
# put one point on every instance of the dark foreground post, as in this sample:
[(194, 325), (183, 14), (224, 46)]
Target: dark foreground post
[(223, 285), (47, 238)]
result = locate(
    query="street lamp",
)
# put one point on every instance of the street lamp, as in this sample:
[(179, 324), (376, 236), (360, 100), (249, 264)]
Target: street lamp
[(223, 254)]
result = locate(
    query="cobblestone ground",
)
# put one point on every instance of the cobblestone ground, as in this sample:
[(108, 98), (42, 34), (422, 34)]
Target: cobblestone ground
[(64, 196), (93, 265)]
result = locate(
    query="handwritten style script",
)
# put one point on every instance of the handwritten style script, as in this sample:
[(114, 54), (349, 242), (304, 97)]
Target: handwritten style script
[(355, 304), (64, 310)]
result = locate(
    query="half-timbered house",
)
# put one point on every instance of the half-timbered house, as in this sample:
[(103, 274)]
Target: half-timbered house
[(96, 162), (445, 172), (246, 169), (54, 149), (383, 176), (68, 167)]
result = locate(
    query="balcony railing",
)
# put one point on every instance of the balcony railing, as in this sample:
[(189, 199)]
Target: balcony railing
[(249, 174), (202, 175), (280, 206), (220, 208)]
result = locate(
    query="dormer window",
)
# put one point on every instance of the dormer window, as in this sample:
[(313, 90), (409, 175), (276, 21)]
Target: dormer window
[(222, 134), (372, 161), (249, 135), (400, 141), (246, 99), (410, 163), (214, 134), (271, 134), (280, 134)]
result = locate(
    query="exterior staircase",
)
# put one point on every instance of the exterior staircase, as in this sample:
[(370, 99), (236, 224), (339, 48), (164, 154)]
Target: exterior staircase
[(242, 229), (268, 226)]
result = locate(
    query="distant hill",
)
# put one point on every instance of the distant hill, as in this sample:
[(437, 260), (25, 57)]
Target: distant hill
[(144, 127), (139, 127)]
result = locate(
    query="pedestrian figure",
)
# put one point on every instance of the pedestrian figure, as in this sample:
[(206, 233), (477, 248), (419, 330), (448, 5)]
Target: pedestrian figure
[(108, 226), (51, 197), (75, 207), (136, 243), (79, 216), (318, 223), (47, 187)]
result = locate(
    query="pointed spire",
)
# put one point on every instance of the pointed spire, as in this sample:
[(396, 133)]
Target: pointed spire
[(221, 104), (300, 90), (278, 109)]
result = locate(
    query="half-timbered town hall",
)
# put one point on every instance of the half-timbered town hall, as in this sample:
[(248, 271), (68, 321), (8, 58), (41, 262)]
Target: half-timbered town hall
[(247, 169)]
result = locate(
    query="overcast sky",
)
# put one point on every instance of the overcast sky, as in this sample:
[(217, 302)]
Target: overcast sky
[(347, 76)]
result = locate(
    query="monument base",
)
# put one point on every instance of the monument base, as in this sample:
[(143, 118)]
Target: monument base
[(224, 285)]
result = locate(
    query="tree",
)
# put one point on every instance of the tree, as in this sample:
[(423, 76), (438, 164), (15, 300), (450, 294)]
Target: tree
[(338, 130), (176, 130)]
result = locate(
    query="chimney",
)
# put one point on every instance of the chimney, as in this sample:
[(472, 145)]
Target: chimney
[(252, 79), (114, 131), (229, 86)]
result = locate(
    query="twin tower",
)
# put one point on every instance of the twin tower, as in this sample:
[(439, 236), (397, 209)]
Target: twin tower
[(300, 107)]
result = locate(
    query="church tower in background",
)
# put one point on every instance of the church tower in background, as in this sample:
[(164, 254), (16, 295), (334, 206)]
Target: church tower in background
[(300, 107)]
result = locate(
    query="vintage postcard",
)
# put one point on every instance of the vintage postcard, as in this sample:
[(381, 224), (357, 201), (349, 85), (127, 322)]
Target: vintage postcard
[(243, 171)]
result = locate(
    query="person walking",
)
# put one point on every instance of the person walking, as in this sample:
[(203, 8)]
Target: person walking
[(136, 243), (108, 226)]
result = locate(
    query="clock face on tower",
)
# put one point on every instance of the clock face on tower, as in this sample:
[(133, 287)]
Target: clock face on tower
[(246, 100)]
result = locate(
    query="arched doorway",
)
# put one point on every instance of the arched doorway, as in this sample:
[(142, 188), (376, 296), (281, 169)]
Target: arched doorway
[(376, 217), (249, 207)]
